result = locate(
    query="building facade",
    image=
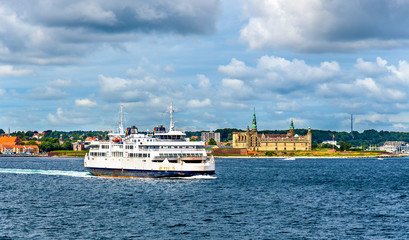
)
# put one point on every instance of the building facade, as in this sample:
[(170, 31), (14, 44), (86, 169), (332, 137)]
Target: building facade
[(206, 136), (253, 141), (11, 145)]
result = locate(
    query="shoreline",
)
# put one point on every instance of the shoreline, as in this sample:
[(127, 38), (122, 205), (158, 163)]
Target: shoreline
[(306, 157), (272, 157)]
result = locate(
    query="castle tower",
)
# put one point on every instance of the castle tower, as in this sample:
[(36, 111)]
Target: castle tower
[(254, 126), (291, 131), (309, 134)]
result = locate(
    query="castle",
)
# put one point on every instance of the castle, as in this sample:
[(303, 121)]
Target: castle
[(253, 141)]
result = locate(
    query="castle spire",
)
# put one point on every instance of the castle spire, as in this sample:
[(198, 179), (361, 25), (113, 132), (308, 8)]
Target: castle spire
[(254, 126), (291, 131)]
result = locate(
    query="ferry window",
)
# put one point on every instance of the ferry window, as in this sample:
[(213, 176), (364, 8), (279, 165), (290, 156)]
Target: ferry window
[(144, 155), (149, 155), (140, 155)]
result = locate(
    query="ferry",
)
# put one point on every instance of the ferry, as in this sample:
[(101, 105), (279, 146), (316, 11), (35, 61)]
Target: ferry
[(131, 154)]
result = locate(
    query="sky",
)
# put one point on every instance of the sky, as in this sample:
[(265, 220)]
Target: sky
[(68, 65)]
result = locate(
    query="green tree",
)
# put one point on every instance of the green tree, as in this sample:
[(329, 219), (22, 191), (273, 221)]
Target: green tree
[(344, 145), (211, 142), (67, 146), (31, 142), (192, 139)]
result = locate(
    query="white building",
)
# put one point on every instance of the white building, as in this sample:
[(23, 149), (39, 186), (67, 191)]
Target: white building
[(393, 146), (332, 143), (206, 136)]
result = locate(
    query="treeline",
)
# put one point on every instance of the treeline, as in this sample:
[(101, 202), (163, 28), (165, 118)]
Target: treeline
[(51, 139), (367, 137)]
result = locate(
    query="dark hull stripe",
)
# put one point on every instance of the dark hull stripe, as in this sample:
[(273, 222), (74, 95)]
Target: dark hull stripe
[(128, 173)]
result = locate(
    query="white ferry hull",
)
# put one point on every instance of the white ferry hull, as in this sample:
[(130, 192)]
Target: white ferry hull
[(128, 168), (135, 173)]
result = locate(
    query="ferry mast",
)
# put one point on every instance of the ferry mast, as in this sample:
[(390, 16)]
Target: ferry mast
[(121, 124), (172, 124)]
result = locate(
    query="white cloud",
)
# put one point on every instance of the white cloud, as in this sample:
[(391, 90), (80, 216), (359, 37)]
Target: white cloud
[(47, 93), (194, 103), (321, 26), (85, 102), (371, 68), (61, 118), (8, 70), (236, 69), (278, 74), (114, 89), (60, 83), (2, 92), (204, 82)]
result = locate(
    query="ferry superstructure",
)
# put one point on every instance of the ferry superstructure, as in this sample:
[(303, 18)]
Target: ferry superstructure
[(160, 154)]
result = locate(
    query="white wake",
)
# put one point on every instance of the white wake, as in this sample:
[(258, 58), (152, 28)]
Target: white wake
[(198, 177), (46, 172)]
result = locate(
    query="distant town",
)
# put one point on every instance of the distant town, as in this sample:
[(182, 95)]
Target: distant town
[(227, 141)]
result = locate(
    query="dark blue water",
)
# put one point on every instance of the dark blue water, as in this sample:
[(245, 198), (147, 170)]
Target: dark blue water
[(52, 198)]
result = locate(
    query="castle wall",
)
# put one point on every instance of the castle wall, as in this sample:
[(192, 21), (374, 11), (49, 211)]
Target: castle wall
[(255, 142)]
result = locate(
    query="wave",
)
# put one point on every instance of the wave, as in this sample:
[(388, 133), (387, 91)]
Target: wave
[(199, 177), (46, 172)]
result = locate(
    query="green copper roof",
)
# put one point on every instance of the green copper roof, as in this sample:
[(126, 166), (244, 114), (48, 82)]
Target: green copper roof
[(292, 125), (254, 126)]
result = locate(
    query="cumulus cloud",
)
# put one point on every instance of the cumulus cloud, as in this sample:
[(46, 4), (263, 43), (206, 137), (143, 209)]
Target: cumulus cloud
[(194, 103), (204, 82), (85, 103), (373, 91), (47, 93), (326, 26), (236, 69), (54, 32), (279, 74), (371, 68), (294, 85), (8, 70), (115, 89), (61, 118)]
